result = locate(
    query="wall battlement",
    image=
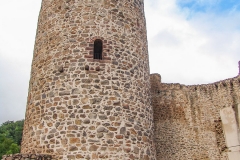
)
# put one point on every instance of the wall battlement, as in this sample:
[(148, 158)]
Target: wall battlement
[(227, 84)]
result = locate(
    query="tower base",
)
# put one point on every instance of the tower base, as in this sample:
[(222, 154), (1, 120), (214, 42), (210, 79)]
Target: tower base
[(27, 157)]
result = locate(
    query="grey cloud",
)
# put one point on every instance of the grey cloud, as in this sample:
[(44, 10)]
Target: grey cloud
[(166, 38)]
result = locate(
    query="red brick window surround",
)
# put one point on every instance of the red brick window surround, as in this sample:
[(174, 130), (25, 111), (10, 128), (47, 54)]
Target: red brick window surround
[(99, 44)]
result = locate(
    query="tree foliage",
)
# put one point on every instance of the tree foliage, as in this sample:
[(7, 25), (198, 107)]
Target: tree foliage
[(10, 137)]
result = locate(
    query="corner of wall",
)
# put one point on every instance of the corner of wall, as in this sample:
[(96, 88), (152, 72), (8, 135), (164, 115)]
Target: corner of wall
[(155, 80)]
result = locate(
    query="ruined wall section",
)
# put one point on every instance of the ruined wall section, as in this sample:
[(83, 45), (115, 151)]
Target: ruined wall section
[(187, 118)]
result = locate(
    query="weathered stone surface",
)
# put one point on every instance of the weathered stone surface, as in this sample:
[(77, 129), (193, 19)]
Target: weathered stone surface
[(92, 115), (100, 135), (136, 150), (102, 129), (187, 118), (108, 107), (78, 122), (72, 127), (78, 156), (119, 136), (50, 136), (93, 148), (110, 141), (102, 116), (75, 102), (84, 100), (64, 93), (93, 140), (74, 140), (86, 121), (110, 135), (87, 107), (78, 103), (112, 128), (73, 148)]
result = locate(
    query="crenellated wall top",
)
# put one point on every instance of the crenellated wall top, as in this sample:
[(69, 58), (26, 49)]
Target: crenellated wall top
[(227, 83)]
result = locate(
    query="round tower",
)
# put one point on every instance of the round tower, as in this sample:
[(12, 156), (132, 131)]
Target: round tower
[(89, 92)]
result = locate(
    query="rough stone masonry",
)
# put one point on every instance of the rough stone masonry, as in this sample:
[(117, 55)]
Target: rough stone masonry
[(89, 92), (190, 121)]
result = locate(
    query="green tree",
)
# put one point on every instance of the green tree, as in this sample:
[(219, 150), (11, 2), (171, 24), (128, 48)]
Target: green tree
[(10, 137), (13, 130), (14, 148), (7, 146)]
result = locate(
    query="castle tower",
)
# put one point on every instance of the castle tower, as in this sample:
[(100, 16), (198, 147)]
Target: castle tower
[(89, 92)]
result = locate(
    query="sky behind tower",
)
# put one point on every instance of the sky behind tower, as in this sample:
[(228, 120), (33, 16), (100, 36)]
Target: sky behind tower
[(190, 42)]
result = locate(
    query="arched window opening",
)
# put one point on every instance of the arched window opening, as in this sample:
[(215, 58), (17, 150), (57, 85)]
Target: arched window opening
[(98, 47)]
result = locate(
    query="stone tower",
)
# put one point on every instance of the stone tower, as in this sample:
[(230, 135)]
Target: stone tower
[(89, 92)]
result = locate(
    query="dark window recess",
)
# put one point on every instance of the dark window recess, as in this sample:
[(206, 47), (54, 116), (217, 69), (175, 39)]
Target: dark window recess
[(98, 47)]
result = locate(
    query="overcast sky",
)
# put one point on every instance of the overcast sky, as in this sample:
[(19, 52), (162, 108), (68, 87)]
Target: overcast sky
[(190, 42)]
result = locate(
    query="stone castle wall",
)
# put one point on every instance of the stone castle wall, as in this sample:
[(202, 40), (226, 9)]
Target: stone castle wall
[(84, 108), (187, 118), (27, 157)]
